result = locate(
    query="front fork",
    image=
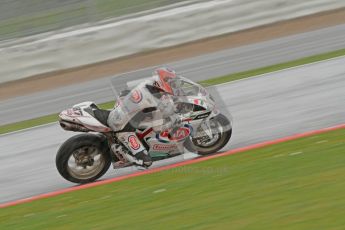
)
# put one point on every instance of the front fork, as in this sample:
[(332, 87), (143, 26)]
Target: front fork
[(205, 125)]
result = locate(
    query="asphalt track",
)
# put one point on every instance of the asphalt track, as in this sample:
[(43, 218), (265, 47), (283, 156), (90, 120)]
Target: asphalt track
[(172, 166), (267, 107), (197, 68)]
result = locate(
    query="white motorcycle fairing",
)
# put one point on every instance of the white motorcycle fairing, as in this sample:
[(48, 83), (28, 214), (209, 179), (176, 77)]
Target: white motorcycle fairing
[(80, 116)]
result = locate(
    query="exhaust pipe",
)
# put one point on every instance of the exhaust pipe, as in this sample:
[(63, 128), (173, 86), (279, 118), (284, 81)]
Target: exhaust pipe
[(69, 126)]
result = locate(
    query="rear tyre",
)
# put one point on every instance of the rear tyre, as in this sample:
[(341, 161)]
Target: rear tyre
[(221, 134), (83, 158)]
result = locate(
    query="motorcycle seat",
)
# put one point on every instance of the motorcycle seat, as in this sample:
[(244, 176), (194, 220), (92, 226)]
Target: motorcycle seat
[(102, 115)]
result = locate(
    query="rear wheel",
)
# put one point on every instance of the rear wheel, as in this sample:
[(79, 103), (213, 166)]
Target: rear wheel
[(204, 144), (83, 158)]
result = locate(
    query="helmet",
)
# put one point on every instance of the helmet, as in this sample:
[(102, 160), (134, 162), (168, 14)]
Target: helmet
[(166, 80)]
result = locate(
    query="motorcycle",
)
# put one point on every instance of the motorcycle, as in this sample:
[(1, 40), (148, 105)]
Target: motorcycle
[(87, 156)]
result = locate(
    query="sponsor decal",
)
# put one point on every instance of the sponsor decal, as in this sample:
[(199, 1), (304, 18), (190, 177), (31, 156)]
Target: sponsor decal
[(69, 112), (164, 134), (74, 112), (201, 116), (136, 96), (133, 142), (179, 135), (199, 102), (162, 147), (77, 111), (163, 137)]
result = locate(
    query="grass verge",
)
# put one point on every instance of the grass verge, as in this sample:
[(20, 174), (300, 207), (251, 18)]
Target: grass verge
[(293, 185), (214, 81)]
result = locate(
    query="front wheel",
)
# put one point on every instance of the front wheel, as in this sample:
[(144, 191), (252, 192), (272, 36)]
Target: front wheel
[(203, 144), (83, 158)]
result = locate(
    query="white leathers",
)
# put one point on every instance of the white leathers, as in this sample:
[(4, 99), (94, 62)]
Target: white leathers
[(143, 107)]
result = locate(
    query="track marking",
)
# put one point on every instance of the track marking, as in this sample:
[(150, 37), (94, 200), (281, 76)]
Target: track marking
[(83, 202), (323, 141), (159, 169), (105, 197), (160, 190), (295, 153), (278, 155)]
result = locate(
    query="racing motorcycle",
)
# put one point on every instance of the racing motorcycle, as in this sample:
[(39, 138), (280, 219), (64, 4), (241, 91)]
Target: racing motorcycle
[(87, 156)]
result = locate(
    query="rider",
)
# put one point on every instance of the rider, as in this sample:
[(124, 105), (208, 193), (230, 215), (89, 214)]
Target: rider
[(151, 100)]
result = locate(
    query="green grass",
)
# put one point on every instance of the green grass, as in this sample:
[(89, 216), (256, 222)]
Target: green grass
[(293, 185), (214, 81)]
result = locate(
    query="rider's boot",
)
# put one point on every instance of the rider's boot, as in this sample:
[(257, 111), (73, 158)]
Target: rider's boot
[(144, 158), (136, 151)]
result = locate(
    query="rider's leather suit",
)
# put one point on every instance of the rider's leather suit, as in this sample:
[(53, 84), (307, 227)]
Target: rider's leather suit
[(144, 104)]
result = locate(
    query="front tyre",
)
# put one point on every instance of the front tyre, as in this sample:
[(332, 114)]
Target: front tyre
[(221, 134), (83, 158)]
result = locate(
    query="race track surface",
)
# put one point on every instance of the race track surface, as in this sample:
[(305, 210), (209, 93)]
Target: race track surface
[(263, 108), (197, 68)]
